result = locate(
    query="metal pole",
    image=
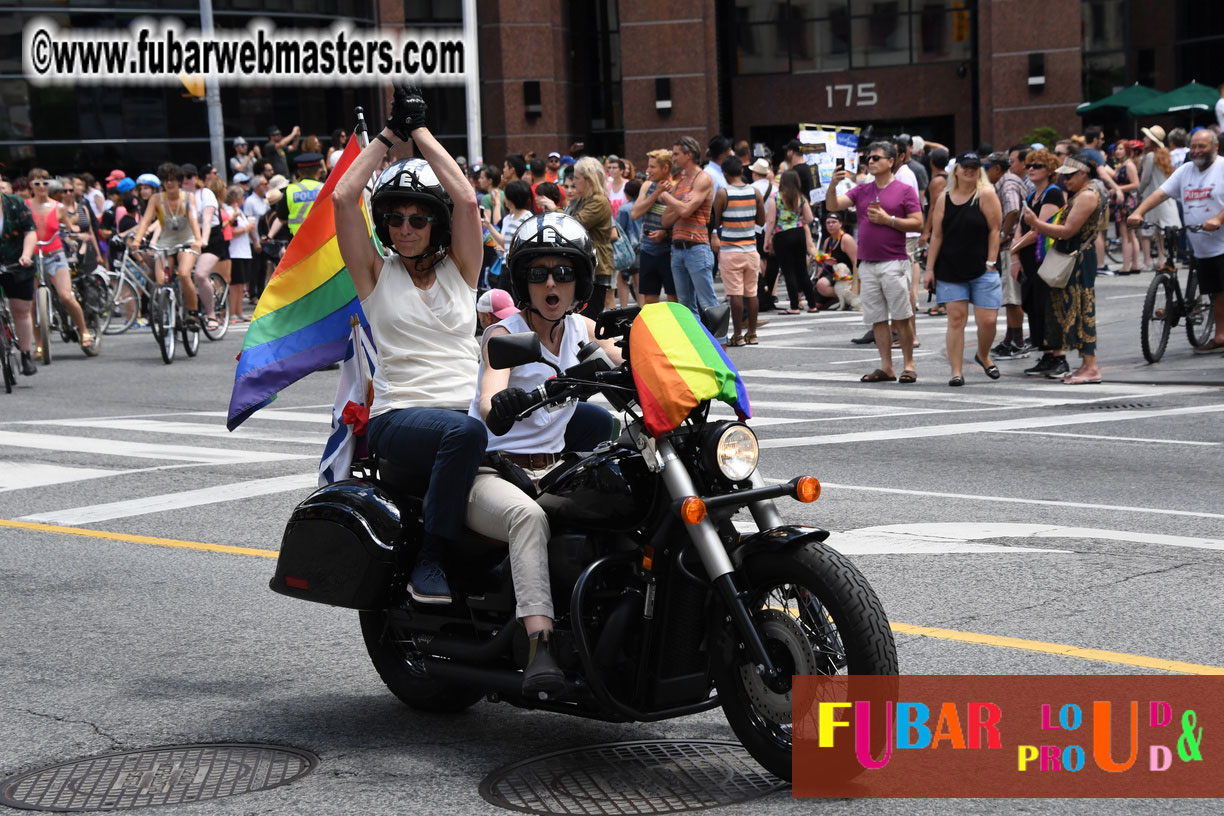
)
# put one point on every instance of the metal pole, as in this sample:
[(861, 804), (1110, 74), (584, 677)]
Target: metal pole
[(212, 98), (471, 81)]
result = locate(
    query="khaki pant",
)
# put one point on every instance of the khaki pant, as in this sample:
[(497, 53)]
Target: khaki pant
[(498, 509)]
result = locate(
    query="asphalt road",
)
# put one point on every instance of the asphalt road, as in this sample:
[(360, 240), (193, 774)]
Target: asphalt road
[(1054, 516)]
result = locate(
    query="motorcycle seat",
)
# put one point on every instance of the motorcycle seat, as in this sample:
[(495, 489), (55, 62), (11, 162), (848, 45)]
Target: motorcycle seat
[(408, 489)]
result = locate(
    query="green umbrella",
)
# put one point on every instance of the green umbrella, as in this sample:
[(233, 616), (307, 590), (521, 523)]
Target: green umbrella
[(1124, 98), (1190, 97)]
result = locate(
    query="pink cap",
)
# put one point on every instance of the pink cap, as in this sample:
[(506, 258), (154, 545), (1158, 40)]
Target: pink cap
[(496, 302), (115, 175)]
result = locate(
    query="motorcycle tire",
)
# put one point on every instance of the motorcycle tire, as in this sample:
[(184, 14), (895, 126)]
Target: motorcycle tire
[(406, 679), (817, 615)]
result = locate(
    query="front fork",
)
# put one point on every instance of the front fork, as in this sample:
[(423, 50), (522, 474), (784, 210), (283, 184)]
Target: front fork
[(718, 563)]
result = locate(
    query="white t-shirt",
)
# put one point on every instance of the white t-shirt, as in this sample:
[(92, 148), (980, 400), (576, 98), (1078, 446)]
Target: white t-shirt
[(766, 189), (906, 175), (544, 430), (1220, 113), (1202, 195), (240, 245), (204, 198), (510, 225), (254, 206), (426, 358)]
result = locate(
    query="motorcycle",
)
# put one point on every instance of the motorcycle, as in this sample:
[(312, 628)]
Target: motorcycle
[(663, 607)]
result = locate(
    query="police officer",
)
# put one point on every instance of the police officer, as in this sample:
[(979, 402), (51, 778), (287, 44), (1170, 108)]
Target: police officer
[(300, 195)]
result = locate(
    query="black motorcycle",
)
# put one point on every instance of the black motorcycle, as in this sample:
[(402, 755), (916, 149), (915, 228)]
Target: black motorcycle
[(662, 607)]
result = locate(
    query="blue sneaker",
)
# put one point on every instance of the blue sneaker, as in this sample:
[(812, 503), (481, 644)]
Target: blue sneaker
[(428, 583)]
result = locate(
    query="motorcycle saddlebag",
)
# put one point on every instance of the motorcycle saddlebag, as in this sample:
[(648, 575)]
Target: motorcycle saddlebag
[(339, 547)]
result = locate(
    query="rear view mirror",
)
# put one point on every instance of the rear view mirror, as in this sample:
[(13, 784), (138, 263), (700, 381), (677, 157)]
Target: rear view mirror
[(510, 350), (716, 319)]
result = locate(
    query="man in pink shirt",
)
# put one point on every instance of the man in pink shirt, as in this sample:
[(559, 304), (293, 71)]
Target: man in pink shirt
[(892, 209)]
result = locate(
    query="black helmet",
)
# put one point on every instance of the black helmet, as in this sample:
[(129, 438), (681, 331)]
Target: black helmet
[(411, 181), (552, 233)]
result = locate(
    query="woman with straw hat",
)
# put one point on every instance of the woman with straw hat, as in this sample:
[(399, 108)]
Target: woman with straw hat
[(1154, 169)]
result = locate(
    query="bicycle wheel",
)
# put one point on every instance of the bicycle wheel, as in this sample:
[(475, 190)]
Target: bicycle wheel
[(10, 358), (103, 298), (1157, 318), (221, 304), (92, 294), (1113, 249), (190, 332), (1200, 318), (162, 319), (42, 313), (125, 307)]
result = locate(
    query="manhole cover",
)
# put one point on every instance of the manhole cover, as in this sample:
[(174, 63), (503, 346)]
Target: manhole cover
[(631, 777), (172, 775)]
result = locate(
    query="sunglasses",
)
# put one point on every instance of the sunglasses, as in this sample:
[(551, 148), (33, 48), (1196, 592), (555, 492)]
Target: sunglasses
[(416, 221), (39, 184), (876, 158), (1036, 167), (560, 274)]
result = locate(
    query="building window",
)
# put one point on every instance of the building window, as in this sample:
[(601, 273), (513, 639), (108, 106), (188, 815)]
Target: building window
[(809, 36)]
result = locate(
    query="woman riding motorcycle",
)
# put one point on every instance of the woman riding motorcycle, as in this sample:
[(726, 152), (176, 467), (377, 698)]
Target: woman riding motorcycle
[(552, 262), (421, 305)]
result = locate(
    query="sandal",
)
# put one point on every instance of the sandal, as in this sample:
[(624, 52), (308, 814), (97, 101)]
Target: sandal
[(736, 341), (877, 376), (211, 324), (87, 341), (992, 371), (789, 312), (908, 376), (750, 340), (937, 311)]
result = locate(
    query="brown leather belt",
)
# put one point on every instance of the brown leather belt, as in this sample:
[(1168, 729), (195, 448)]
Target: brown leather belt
[(533, 461), (686, 244)]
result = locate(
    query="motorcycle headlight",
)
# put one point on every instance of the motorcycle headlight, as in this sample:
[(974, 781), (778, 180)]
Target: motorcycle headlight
[(734, 451)]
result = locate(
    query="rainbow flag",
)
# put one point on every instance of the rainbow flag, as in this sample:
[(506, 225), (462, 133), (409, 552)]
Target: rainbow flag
[(1044, 242), (677, 364), (302, 321)]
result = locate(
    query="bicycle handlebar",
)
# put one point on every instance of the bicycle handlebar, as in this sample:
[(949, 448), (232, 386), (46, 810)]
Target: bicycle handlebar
[(1186, 227)]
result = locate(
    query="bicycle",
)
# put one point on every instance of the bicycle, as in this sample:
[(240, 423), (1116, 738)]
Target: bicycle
[(168, 313), (1164, 307), (130, 286), (10, 354), (92, 292)]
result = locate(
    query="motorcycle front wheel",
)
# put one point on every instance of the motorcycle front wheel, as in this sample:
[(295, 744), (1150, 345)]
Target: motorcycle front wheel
[(816, 614), (399, 665)]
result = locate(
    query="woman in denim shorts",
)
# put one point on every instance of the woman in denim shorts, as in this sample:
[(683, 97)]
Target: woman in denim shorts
[(963, 262)]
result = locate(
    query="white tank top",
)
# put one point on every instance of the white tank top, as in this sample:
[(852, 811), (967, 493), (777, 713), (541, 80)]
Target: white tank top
[(426, 358), (544, 430)]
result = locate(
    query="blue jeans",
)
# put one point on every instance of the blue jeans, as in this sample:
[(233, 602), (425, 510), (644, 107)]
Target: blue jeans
[(589, 426), (447, 446), (693, 275)]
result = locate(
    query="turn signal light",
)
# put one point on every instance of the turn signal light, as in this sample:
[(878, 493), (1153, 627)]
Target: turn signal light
[(693, 510), (807, 489), (648, 558)]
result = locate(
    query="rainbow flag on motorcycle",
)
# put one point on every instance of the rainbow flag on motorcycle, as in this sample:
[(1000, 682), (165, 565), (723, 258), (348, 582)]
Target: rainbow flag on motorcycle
[(677, 364), (301, 323)]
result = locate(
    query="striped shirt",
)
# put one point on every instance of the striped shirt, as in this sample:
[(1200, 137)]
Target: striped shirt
[(694, 228), (738, 230), (653, 220)]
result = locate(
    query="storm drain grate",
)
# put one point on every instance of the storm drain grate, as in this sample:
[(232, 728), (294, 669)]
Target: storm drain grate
[(663, 776), (171, 775), (1117, 406)]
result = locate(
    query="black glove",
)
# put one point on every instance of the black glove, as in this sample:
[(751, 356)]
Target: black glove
[(407, 111), (507, 405)]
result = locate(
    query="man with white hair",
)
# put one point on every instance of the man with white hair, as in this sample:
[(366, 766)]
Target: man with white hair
[(1199, 185)]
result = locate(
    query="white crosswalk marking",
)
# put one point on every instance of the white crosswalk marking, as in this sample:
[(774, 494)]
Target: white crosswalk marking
[(188, 429), (23, 475), (141, 450)]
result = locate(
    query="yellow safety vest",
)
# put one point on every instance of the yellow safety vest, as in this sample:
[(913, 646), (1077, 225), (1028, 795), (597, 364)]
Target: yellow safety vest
[(300, 196)]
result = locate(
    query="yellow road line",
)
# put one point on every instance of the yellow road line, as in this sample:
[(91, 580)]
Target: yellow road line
[(1060, 649), (999, 641), (138, 539)]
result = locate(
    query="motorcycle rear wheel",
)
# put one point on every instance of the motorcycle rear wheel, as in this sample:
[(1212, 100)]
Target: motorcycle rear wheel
[(817, 615), (399, 666)]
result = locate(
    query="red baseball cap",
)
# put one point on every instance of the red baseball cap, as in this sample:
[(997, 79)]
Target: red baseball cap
[(115, 176), (496, 302)]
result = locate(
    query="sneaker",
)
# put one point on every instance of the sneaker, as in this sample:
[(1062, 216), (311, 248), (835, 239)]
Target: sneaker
[(1058, 369), (542, 676), (27, 364), (428, 583), (867, 339), (1027, 346), (1043, 365), (1009, 351)]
